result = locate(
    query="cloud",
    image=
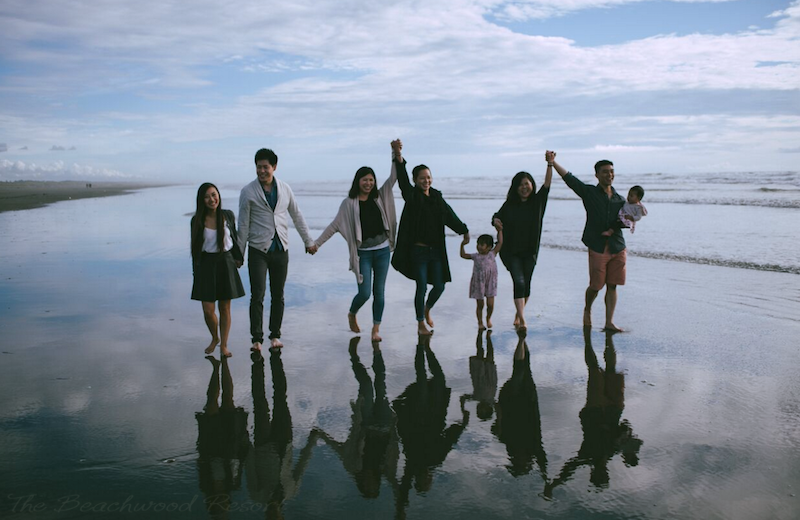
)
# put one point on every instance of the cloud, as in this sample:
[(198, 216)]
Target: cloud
[(57, 170)]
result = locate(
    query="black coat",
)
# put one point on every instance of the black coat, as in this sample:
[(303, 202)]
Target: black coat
[(410, 219)]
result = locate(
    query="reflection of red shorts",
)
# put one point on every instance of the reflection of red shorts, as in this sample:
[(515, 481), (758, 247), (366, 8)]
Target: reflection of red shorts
[(605, 268)]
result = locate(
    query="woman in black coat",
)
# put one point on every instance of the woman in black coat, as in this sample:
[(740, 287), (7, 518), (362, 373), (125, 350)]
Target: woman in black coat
[(420, 252)]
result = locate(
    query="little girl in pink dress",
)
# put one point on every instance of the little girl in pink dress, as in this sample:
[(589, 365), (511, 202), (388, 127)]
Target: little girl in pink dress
[(484, 275)]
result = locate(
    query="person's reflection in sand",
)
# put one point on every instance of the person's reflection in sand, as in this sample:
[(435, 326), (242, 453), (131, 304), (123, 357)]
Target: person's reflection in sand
[(371, 449), (222, 441), (603, 434), (421, 419), (483, 372), (518, 424), (271, 479)]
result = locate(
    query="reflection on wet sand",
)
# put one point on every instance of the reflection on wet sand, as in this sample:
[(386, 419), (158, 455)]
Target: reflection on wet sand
[(483, 372), (421, 423), (603, 434), (518, 424), (371, 450), (271, 479), (222, 441)]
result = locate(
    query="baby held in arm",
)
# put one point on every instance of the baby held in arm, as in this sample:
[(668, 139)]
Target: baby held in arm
[(631, 212)]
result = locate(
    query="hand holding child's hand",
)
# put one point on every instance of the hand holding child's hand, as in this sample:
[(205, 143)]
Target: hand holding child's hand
[(465, 240)]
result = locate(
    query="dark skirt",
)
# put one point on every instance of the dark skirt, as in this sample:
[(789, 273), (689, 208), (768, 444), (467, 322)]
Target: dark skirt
[(216, 278)]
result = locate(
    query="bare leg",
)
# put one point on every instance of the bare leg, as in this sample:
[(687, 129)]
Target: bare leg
[(519, 321), (376, 327), (591, 294), (479, 313), (422, 330), (210, 315), (428, 318), (351, 320), (611, 305), (224, 326), (489, 310)]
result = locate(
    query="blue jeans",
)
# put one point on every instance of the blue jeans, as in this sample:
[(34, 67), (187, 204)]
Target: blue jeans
[(374, 261), (428, 269)]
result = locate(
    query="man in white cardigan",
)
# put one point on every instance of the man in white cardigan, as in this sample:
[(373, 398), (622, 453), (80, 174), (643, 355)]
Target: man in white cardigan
[(264, 207)]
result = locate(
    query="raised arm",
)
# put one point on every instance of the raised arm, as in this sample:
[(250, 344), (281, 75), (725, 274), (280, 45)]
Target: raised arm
[(550, 157), (397, 146), (463, 253), (499, 245)]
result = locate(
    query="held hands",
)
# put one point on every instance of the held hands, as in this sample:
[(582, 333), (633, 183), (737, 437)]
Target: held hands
[(312, 249), (397, 147), (465, 240), (549, 156), (498, 224)]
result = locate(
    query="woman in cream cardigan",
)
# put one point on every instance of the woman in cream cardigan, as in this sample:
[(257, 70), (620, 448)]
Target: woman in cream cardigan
[(367, 220)]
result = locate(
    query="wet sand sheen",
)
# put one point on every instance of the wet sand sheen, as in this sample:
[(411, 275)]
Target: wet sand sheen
[(20, 195), (106, 371)]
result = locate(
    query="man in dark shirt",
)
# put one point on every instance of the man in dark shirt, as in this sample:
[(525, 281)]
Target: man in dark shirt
[(607, 254)]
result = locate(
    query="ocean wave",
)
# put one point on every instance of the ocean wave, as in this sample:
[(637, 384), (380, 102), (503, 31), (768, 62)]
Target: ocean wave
[(735, 264)]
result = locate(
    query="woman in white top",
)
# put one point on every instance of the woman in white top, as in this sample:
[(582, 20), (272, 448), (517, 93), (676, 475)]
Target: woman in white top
[(367, 220), (215, 259)]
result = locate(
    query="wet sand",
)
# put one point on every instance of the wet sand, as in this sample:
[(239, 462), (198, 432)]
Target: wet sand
[(19, 195), (103, 352)]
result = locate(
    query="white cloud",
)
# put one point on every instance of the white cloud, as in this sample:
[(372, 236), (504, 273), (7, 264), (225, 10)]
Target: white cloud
[(56, 170)]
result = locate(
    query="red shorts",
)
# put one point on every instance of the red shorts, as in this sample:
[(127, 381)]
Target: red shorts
[(605, 268)]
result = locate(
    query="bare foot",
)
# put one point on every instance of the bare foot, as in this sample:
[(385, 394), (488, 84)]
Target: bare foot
[(587, 317), (275, 343), (488, 323), (256, 347), (523, 326), (351, 319), (224, 351), (375, 335), (516, 321), (422, 330), (610, 327), (428, 319), (211, 346), (480, 326)]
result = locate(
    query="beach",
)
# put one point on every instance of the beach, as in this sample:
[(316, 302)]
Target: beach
[(107, 390), (19, 195)]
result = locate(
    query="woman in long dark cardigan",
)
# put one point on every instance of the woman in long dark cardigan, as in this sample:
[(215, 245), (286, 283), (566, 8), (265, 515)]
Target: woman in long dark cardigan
[(420, 252)]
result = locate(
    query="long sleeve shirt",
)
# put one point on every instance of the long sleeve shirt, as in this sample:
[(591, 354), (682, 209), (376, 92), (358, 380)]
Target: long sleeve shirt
[(601, 214)]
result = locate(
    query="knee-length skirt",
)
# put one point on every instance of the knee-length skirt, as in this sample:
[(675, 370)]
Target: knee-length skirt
[(216, 278)]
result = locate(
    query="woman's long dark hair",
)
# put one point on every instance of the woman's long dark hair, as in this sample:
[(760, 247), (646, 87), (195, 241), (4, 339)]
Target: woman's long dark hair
[(513, 193), (199, 219), (360, 174)]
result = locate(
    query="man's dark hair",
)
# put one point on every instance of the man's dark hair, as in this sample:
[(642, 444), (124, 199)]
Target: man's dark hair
[(269, 155), (600, 164), (638, 190)]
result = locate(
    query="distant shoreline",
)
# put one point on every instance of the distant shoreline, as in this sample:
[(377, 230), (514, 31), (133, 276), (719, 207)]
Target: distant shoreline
[(21, 195)]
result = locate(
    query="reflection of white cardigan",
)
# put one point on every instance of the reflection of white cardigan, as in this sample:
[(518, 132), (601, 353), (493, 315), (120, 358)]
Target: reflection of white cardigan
[(348, 222)]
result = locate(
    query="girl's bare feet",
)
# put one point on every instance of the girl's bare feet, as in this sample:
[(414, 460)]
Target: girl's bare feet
[(480, 326), (351, 319), (375, 335), (224, 351), (211, 346), (275, 343), (422, 330), (587, 317), (516, 321), (489, 323), (428, 319)]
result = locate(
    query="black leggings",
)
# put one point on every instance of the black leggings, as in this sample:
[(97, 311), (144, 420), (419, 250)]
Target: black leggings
[(521, 269)]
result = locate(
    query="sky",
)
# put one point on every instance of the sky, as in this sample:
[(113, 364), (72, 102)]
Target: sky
[(186, 92)]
